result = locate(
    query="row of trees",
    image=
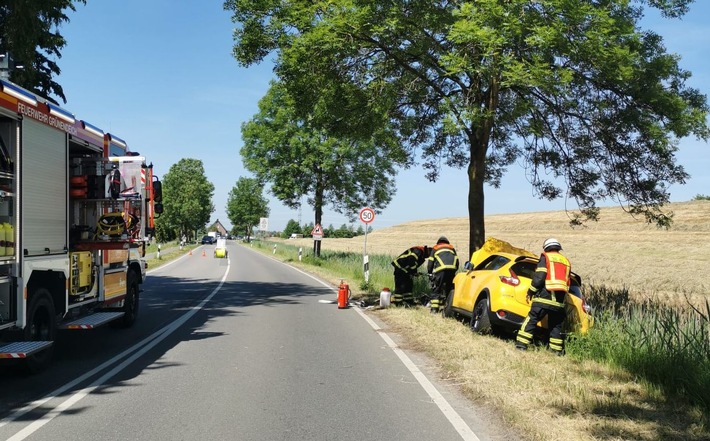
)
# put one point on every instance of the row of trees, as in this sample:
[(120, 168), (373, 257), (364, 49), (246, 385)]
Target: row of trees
[(589, 102), (345, 231), (187, 201)]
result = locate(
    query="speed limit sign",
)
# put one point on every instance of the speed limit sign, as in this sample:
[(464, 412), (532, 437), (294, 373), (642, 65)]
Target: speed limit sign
[(367, 215)]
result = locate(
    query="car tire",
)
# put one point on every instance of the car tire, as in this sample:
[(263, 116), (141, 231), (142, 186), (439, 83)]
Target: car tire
[(480, 320), (41, 326), (448, 306)]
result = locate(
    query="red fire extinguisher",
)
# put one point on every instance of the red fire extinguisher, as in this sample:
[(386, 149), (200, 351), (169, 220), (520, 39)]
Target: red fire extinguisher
[(343, 295)]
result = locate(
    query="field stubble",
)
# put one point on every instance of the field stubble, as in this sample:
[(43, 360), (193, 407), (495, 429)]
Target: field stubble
[(618, 251)]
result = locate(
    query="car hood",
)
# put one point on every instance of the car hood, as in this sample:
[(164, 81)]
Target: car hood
[(492, 246)]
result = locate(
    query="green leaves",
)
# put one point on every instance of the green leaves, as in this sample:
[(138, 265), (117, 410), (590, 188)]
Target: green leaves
[(246, 205), (187, 197)]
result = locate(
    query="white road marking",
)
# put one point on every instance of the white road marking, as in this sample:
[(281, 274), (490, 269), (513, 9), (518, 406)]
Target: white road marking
[(141, 348), (449, 412)]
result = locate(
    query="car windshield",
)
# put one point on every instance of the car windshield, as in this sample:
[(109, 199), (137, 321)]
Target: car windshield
[(492, 263)]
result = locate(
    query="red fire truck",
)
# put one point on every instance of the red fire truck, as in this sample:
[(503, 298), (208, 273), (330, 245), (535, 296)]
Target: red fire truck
[(76, 211)]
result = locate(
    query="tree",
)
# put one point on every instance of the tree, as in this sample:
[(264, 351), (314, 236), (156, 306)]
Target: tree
[(29, 32), (246, 204), (292, 227), (592, 105), (187, 198), (297, 159)]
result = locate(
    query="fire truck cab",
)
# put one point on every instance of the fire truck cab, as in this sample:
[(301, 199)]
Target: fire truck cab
[(77, 208)]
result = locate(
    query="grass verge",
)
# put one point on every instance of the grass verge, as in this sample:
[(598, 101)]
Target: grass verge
[(643, 373)]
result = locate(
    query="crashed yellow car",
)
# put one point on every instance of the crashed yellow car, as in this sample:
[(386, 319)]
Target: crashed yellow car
[(491, 292), (220, 250)]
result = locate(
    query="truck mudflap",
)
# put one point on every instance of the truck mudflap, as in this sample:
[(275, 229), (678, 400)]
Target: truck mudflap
[(22, 349), (92, 321)]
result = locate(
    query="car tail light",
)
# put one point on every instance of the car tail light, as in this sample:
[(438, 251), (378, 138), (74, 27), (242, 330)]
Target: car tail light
[(501, 313), (511, 280), (585, 306)]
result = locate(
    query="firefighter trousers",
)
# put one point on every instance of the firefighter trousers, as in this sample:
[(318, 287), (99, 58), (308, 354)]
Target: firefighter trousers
[(555, 318)]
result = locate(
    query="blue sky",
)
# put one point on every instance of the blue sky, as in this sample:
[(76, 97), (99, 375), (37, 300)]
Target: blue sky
[(160, 75)]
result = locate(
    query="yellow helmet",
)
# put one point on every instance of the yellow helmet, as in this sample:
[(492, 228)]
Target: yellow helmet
[(111, 224)]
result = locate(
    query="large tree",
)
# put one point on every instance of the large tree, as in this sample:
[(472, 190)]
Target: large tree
[(29, 32), (187, 198), (591, 103), (298, 159), (246, 205)]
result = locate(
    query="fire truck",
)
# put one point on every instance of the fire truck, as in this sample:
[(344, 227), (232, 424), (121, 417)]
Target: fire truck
[(77, 209)]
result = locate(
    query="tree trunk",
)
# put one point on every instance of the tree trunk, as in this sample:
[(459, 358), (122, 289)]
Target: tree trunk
[(476, 206)]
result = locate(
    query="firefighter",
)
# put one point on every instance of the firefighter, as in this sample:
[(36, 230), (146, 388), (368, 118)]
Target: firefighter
[(547, 291), (442, 266), (405, 268)]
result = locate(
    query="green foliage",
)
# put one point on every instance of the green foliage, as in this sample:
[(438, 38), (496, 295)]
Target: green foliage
[(701, 197), (666, 346), (29, 31), (578, 91), (187, 198), (298, 159), (246, 205), (292, 227)]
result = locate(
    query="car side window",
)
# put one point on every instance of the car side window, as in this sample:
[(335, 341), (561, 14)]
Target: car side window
[(492, 263), (524, 269)]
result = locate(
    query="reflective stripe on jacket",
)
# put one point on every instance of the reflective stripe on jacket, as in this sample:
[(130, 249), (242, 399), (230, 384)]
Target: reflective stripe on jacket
[(443, 257), (558, 272), (410, 260)]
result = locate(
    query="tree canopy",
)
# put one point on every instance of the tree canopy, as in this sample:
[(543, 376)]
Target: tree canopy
[(187, 198), (246, 205), (589, 102), (29, 31), (297, 160)]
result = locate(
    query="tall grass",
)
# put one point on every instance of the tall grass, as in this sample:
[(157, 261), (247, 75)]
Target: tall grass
[(666, 346), (663, 346)]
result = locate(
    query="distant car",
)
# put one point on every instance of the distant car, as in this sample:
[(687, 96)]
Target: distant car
[(491, 293), (209, 240)]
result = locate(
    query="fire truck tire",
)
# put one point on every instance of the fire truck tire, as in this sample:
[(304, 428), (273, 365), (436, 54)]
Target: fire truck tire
[(130, 304), (41, 326)]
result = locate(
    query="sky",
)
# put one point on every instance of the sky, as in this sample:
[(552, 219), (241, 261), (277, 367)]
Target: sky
[(160, 75)]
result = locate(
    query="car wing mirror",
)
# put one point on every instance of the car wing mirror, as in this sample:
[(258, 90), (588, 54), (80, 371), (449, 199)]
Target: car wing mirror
[(468, 266)]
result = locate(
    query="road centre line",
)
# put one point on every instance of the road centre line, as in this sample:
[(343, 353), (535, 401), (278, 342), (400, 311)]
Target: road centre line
[(449, 412), (140, 349)]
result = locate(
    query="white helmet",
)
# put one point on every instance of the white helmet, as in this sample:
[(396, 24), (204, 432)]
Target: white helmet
[(551, 243)]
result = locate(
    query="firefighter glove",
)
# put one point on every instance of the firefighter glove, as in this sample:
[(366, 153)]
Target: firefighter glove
[(529, 296)]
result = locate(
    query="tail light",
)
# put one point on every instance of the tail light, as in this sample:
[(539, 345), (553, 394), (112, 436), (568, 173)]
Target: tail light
[(585, 306), (511, 280)]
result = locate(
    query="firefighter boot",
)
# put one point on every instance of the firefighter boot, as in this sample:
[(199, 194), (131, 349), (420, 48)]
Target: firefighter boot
[(408, 299), (435, 305), (397, 299)]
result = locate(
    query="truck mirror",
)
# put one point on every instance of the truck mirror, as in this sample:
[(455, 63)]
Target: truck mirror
[(158, 208), (157, 192)]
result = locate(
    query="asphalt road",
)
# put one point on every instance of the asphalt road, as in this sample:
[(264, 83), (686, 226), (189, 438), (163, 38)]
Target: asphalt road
[(244, 348)]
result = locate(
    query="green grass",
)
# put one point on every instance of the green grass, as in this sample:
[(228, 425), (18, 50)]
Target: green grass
[(667, 348)]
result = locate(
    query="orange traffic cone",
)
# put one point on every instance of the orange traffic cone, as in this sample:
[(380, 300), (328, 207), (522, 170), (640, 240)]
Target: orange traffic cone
[(203, 253), (190, 252)]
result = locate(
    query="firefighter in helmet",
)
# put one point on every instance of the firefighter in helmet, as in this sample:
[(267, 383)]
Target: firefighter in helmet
[(548, 289), (442, 266), (405, 268)]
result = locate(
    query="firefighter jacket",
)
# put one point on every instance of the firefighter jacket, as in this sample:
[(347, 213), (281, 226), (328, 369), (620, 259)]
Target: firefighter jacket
[(443, 257), (551, 281), (410, 260)]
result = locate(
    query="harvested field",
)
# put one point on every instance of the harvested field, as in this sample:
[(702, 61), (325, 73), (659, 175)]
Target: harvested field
[(618, 251)]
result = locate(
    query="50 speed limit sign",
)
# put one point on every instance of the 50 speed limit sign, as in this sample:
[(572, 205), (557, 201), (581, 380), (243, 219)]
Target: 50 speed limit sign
[(367, 215)]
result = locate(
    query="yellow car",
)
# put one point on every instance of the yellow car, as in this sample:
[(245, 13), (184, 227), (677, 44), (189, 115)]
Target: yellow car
[(220, 250), (491, 292)]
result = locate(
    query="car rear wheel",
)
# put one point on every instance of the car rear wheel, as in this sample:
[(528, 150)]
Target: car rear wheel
[(480, 320), (448, 306)]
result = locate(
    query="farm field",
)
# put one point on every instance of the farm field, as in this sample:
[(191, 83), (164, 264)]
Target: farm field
[(617, 251)]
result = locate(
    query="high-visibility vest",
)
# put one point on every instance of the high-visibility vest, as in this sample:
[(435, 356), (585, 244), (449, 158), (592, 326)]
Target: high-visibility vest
[(558, 272), (444, 256)]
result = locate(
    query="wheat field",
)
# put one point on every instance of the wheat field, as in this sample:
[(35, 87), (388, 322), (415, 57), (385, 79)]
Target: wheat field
[(617, 251)]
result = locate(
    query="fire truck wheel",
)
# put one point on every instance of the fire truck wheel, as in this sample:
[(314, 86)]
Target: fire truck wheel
[(41, 326), (130, 305)]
